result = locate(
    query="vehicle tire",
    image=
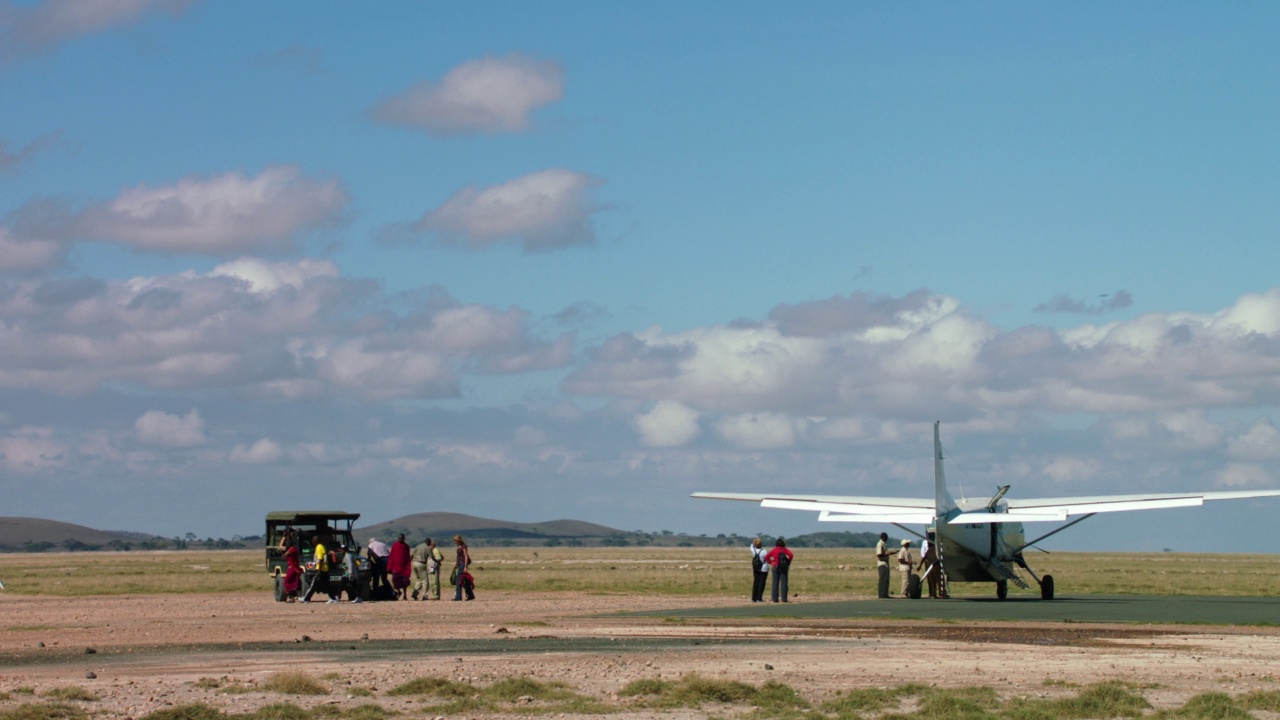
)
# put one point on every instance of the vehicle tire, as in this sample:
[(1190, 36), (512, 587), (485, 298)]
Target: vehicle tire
[(1046, 587), (279, 588), (366, 591), (1002, 589), (913, 587)]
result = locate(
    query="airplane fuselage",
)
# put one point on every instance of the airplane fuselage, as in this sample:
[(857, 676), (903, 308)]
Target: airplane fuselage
[(969, 548)]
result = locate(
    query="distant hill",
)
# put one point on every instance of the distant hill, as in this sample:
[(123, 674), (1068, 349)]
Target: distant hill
[(444, 525), (22, 534), (441, 526)]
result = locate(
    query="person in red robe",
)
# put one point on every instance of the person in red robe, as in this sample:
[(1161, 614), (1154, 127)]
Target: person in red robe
[(400, 566), (292, 574)]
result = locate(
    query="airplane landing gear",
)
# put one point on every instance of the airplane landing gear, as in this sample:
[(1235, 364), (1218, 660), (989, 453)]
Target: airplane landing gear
[(1002, 589), (1046, 587)]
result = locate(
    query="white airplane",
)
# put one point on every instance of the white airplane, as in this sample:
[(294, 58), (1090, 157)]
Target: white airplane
[(979, 540)]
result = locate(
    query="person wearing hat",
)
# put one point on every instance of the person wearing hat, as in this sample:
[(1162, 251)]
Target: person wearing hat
[(904, 566)]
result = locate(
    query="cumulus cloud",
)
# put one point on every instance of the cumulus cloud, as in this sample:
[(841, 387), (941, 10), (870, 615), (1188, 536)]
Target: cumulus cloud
[(157, 427), (31, 449), (668, 424), (262, 452), (22, 256), (543, 211), (26, 29), (1066, 304), (923, 356), (219, 215), (486, 96), (289, 330), (758, 431)]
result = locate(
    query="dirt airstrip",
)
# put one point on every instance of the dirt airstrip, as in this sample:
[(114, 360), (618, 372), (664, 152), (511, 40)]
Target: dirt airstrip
[(149, 653)]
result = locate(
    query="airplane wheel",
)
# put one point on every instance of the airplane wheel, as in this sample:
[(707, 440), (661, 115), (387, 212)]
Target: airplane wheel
[(913, 587), (1046, 587), (1002, 589)]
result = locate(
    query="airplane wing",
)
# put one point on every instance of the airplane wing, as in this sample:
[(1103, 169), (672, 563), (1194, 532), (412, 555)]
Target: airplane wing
[(1057, 509), (841, 508)]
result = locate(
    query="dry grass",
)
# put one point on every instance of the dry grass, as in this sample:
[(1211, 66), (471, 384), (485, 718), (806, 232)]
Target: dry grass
[(671, 571)]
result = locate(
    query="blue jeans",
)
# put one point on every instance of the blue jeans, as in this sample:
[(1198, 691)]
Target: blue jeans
[(779, 584), (461, 586)]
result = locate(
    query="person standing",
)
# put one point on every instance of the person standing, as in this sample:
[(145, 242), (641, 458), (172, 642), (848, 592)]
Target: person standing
[(400, 567), (929, 563), (421, 553), (378, 552), (434, 561), (904, 566), (759, 570), (882, 566), (292, 574), (780, 559), (320, 581), (461, 562)]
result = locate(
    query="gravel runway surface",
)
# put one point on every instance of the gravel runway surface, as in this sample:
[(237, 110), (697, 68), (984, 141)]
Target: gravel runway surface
[(155, 652)]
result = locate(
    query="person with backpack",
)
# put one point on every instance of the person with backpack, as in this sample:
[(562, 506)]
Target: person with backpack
[(759, 571), (780, 559)]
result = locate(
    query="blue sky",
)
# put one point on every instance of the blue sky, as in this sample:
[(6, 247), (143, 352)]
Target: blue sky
[(578, 260)]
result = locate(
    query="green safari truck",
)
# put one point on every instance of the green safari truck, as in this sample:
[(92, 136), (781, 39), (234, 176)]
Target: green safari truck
[(353, 577)]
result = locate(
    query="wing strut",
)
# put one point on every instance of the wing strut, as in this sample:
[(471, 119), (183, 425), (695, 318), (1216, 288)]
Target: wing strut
[(1055, 532)]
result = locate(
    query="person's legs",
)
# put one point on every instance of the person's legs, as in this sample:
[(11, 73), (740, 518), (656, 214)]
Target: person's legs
[(457, 588), (882, 586), (773, 589), (433, 585), (783, 582)]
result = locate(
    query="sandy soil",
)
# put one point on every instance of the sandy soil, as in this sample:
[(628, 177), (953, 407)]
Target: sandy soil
[(147, 653)]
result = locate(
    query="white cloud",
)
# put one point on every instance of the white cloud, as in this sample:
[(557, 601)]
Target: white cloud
[(758, 431), (219, 215), (31, 449), (263, 276), (543, 211), (172, 431), (486, 96), (1259, 442), (28, 256), (263, 452), (26, 29), (668, 424)]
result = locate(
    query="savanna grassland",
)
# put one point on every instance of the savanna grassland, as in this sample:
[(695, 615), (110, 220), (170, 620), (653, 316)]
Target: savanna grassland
[(669, 571), (195, 635)]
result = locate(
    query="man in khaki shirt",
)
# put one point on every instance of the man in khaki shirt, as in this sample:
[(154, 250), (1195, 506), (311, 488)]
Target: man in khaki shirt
[(882, 566), (904, 566)]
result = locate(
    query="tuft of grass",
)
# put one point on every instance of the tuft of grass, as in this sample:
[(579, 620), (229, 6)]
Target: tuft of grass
[(1267, 700), (1212, 706), (511, 689), (70, 692), (368, 711), (359, 692), (646, 686), (45, 711), (856, 702), (294, 683), (194, 711), (24, 690), (438, 687), (777, 700), (206, 683), (279, 711)]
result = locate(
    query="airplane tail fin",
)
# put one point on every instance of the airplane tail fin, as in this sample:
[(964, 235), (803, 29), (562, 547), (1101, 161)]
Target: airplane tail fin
[(943, 502)]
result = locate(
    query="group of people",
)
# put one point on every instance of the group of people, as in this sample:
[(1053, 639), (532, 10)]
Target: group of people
[(396, 572), (778, 561), (929, 564)]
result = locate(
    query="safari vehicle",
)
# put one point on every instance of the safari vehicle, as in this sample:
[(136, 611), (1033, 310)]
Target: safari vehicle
[(306, 526)]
